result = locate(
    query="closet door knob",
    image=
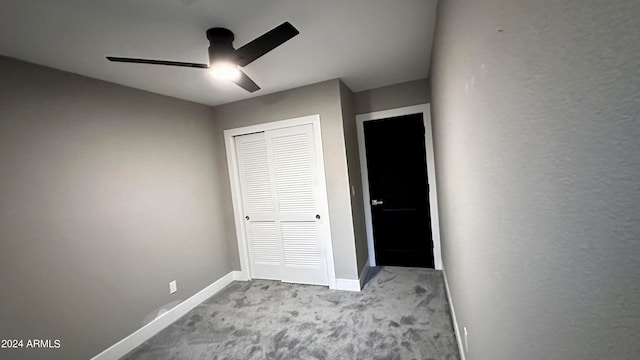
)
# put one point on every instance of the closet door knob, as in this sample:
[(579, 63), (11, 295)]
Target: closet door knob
[(247, 217), (318, 216)]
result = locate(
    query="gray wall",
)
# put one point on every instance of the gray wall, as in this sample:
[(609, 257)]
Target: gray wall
[(355, 180), (106, 194), (537, 141), (324, 99), (393, 96)]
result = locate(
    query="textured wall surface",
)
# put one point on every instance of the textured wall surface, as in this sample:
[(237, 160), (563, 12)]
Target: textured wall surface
[(324, 99), (106, 194), (537, 140), (393, 96), (355, 178)]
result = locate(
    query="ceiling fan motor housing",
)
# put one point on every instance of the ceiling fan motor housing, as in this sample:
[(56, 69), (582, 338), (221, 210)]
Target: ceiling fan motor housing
[(220, 45)]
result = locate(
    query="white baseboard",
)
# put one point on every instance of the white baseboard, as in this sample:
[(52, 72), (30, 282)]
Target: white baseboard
[(364, 273), (453, 316), (353, 285), (124, 346), (347, 284), (240, 275)]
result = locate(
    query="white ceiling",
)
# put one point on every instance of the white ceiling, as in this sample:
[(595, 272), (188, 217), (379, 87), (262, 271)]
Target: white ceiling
[(366, 43)]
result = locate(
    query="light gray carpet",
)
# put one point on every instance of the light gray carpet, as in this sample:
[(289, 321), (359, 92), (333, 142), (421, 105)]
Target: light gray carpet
[(402, 313)]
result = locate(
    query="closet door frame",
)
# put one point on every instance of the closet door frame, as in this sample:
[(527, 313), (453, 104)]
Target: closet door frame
[(236, 192)]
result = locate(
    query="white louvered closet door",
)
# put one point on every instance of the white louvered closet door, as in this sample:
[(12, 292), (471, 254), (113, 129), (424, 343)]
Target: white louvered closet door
[(295, 171), (258, 202), (281, 197)]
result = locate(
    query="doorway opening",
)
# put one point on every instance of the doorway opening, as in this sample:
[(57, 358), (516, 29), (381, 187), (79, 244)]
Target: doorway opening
[(399, 187)]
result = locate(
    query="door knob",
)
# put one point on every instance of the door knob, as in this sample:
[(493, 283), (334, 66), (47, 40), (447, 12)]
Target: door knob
[(377, 202), (318, 216), (247, 217)]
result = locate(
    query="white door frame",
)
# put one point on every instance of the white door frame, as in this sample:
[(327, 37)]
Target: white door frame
[(232, 162), (424, 109)]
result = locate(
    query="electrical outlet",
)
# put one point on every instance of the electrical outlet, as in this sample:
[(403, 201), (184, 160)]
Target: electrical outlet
[(173, 287), (466, 341)]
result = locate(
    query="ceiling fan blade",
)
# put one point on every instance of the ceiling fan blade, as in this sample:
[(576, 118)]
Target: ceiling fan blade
[(246, 83), (157, 62), (265, 43)]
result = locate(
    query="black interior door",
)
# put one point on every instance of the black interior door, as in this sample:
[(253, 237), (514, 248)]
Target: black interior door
[(399, 191)]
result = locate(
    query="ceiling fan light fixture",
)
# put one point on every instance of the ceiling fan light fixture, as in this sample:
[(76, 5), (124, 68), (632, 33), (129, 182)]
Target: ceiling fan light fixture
[(224, 70), (225, 61)]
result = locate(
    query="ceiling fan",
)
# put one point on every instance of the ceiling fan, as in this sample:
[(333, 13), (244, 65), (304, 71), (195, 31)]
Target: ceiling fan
[(224, 60)]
